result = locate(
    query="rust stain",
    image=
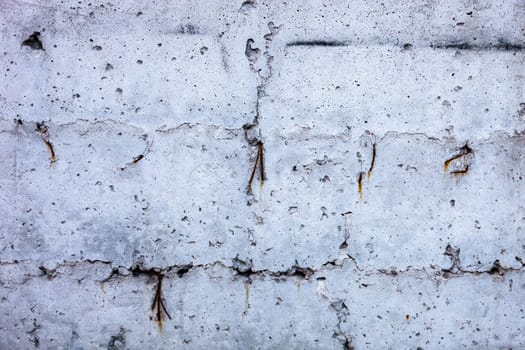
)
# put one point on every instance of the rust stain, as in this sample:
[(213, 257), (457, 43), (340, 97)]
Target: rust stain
[(460, 172), (372, 163), (52, 156), (133, 162), (259, 163), (44, 133), (158, 307), (138, 158), (360, 185), (465, 150)]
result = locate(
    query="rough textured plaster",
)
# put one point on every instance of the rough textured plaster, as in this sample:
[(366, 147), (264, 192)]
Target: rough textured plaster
[(384, 143)]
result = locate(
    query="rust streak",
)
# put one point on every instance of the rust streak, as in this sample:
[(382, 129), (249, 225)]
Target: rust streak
[(360, 185), (372, 163), (52, 156), (460, 172), (44, 133), (138, 158), (465, 150), (158, 306), (259, 162), (253, 173)]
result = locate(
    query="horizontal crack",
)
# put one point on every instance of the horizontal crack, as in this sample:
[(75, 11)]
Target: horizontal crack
[(93, 123), (244, 268), (343, 134)]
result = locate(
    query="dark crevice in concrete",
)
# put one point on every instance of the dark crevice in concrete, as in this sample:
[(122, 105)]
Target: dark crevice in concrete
[(341, 312), (118, 342), (244, 268), (49, 273), (34, 42), (456, 270), (183, 269), (33, 334), (453, 254)]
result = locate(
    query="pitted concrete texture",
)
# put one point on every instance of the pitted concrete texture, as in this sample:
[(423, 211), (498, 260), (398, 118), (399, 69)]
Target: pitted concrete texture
[(262, 175)]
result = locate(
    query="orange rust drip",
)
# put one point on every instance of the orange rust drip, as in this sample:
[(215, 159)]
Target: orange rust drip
[(133, 162), (372, 163), (260, 150), (158, 305), (460, 172), (259, 162), (360, 185), (52, 156), (138, 158), (446, 164), (465, 150)]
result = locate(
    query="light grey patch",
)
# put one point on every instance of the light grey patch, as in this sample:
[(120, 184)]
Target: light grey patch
[(247, 6), (114, 239), (118, 342), (187, 29), (73, 341)]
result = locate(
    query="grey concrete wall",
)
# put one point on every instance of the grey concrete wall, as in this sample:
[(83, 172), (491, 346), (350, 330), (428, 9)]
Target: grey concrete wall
[(262, 175)]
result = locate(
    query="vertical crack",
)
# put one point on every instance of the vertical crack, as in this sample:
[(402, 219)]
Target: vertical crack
[(341, 313), (348, 220), (33, 334), (263, 73)]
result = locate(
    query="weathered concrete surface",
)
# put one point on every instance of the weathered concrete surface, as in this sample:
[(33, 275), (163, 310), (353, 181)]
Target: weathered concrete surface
[(391, 141)]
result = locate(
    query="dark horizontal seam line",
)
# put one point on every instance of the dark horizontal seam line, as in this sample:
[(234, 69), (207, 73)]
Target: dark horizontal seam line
[(467, 46), (457, 46), (317, 43)]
